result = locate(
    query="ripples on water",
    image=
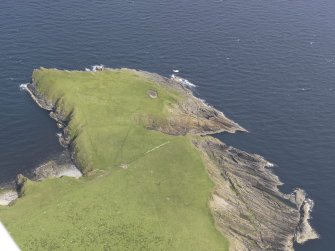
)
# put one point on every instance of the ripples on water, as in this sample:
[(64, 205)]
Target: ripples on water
[(270, 65)]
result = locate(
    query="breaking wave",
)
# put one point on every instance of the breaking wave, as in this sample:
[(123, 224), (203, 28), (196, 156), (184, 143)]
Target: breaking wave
[(182, 81), (23, 87), (95, 68), (269, 164)]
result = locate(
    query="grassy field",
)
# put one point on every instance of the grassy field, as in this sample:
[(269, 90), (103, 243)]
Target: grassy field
[(148, 190)]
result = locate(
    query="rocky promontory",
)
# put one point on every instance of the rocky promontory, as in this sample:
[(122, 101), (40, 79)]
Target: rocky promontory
[(246, 203)]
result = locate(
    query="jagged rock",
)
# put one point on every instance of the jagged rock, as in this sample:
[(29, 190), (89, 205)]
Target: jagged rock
[(192, 115), (62, 166), (247, 204), (38, 98), (8, 197)]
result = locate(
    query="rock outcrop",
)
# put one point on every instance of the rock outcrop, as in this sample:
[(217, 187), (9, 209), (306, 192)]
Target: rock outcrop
[(247, 204), (20, 184), (52, 169), (7, 197), (56, 168), (192, 115)]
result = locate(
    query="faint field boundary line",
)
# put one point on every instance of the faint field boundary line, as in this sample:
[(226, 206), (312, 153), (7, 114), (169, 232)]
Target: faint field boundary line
[(155, 148)]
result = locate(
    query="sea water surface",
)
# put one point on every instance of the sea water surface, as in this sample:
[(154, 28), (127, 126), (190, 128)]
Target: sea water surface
[(269, 65)]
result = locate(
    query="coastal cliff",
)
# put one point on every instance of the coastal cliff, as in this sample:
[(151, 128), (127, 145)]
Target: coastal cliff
[(246, 204)]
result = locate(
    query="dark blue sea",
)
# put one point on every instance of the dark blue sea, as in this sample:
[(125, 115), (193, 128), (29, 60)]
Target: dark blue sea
[(268, 64)]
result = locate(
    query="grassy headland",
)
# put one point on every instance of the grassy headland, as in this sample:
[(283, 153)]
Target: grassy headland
[(143, 189)]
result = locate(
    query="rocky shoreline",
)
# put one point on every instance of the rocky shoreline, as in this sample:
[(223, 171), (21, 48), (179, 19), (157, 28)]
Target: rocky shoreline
[(7, 197), (246, 203), (55, 168), (61, 166)]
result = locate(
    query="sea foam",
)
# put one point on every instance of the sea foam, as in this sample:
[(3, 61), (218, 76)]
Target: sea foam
[(182, 81), (269, 164), (23, 87), (95, 68)]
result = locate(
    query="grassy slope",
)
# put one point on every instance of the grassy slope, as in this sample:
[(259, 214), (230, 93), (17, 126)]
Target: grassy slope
[(158, 203)]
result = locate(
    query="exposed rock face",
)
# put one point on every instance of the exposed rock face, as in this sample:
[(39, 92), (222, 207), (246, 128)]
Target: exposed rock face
[(195, 117), (56, 168), (20, 183), (8, 197), (59, 167), (247, 204), (192, 115), (52, 169), (38, 98), (62, 166)]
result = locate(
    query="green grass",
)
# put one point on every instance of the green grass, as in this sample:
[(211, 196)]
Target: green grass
[(160, 202)]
